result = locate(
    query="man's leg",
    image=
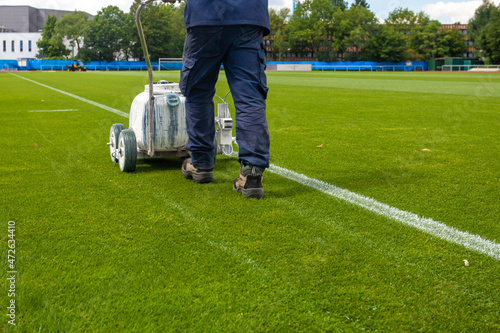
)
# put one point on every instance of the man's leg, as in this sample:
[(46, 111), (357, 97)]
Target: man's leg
[(244, 64), (201, 65)]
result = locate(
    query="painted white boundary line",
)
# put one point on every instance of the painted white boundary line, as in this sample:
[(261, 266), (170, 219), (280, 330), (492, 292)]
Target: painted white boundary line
[(107, 108), (429, 226), (67, 110)]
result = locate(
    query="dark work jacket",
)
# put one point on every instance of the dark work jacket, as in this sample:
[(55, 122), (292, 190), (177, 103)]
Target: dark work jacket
[(227, 12)]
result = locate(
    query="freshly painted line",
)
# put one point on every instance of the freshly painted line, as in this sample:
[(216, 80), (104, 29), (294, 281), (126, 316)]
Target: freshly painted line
[(427, 225), (67, 110), (104, 107)]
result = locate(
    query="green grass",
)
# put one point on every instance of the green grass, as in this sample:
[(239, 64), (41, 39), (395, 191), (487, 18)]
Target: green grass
[(101, 250)]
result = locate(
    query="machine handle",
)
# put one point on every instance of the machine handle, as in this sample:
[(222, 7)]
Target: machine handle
[(151, 148), (142, 3)]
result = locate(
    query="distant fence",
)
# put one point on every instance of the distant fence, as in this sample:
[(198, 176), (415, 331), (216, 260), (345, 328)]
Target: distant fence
[(460, 68), (8, 65), (358, 66), (59, 65), (52, 68), (343, 68), (111, 67), (290, 67), (401, 68)]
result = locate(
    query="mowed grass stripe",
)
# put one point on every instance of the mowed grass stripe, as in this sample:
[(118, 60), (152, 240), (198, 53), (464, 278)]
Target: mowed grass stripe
[(62, 110), (440, 230), (410, 76), (104, 107), (483, 88)]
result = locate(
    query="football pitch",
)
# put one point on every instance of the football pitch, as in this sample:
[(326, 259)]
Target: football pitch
[(381, 211)]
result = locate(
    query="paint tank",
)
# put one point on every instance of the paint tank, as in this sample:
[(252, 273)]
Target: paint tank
[(169, 117)]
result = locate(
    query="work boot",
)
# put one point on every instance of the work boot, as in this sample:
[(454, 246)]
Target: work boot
[(198, 175), (249, 183)]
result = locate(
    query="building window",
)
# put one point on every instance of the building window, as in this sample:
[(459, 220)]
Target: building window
[(13, 46), (29, 46), (21, 46)]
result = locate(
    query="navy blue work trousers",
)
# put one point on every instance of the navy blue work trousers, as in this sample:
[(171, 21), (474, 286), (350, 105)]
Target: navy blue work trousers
[(241, 50)]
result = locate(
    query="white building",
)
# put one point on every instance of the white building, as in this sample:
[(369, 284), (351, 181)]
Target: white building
[(20, 29), (16, 45)]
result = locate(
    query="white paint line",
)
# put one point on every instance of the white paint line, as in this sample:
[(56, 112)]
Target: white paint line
[(66, 110), (104, 107), (427, 225)]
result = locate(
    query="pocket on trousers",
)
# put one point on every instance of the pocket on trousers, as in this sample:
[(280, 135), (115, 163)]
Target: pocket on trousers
[(203, 42), (263, 77), (185, 82)]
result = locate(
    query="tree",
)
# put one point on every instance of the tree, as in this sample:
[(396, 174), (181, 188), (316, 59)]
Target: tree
[(479, 23), (177, 31), (351, 31), (164, 31), (434, 42), (51, 45), (308, 26), (340, 4), (425, 42), (490, 38), (386, 44), (361, 3), (481, 18), (278, 31), (452, 43), (129, 43), (104, 38), (410, 24), (73, 27), (406, 21)]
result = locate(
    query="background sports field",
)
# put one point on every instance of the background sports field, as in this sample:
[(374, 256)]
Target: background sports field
[(104, 251)]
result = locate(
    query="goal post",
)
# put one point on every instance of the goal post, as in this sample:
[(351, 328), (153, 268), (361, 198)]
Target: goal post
[(170, 63)]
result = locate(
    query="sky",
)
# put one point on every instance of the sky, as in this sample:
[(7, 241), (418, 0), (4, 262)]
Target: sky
[(443, 11)]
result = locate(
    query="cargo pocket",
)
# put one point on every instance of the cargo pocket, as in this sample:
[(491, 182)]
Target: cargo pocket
[(203, 42), (262, 63), (185, 81)]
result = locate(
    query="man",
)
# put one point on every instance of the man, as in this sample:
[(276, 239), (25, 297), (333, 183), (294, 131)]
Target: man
[(227, 32)]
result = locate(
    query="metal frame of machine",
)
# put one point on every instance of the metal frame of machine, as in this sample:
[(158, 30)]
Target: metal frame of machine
[(157, 121)]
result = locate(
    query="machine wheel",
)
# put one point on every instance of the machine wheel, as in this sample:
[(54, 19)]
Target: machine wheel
[(114, 135), (127, 151)]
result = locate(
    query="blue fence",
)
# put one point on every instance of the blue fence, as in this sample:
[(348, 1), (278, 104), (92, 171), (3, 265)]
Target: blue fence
[(118, 66), (359, 65), (8, 64), (141, 65)]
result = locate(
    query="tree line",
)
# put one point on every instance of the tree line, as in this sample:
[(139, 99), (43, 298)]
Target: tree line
[(112, 34), (328, 30)]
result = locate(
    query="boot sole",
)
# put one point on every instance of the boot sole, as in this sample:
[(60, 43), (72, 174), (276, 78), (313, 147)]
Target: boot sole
[(256, 193), (199, 177)]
